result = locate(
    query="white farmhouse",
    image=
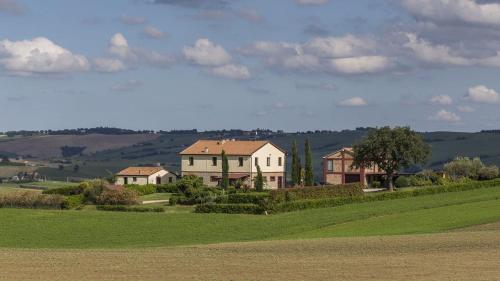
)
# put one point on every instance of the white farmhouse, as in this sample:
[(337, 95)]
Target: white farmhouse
[(203, 159), (145, 175)]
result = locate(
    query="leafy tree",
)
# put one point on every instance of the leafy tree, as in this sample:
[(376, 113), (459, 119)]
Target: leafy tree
[(308, 173), (259, 180), (391, 149), (472, 168), (295, 160), (225, 171)]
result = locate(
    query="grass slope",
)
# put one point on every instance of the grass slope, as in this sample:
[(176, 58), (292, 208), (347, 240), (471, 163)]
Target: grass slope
[(79, 229)]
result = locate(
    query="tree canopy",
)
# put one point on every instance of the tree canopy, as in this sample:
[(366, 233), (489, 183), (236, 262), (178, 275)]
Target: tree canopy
[(391, 149)]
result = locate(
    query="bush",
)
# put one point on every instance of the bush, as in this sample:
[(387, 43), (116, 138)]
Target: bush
[(122, 208), (30, 199), (488, 173), (247, 198), (117, 196), (167, 188), (464, 167), (332, 202), (67, 190), (189, 182), (402, 181), (230, 209), (142, 189), (376, 184), (73, 201), (302, 193)]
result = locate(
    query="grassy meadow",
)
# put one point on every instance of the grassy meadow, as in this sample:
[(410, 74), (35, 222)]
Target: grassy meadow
[(91, 229)]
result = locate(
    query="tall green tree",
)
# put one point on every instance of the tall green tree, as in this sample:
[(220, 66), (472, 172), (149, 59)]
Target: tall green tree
[(259, 180), (225, 170), (308, 168), (295, 156), (391, 149)]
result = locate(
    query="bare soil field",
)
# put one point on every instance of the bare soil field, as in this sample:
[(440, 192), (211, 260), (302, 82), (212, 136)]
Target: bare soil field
[(469, 255), (50, 146)]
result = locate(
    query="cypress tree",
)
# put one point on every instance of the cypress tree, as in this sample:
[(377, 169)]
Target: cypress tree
[(309, 176), (259, 180), (225, 171), (295, 172)]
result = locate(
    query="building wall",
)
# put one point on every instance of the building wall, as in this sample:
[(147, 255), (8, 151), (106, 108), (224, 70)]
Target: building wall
[(342, 162), (203, 163), (143, 180)]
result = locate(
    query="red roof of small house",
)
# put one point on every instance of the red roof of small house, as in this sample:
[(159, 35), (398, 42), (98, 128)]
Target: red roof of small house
[(139, 171)]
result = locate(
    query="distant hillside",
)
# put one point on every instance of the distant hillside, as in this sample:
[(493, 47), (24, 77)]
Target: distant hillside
[(107, 154)]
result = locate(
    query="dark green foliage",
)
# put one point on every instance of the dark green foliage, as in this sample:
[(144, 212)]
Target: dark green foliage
[(69, 151), (167, 188), (247, 198), (230, 209), (309, 176), (143, 189), (295, 165), (402, 181), (332, 202), (225, 171), (67, 190), (300, 193), (73, 202), (189, 182), (391, 149), (259, 180), (123, 208)]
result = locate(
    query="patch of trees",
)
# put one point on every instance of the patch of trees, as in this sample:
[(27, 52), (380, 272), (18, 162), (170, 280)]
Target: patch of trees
[(70, 151)]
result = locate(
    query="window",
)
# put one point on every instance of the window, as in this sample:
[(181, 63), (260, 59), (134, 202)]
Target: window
[(134, 179), (256, 161), (170, 179), (272, 178), (240, 161), (268, 161), (214, 179), (214, 161), (330, 165), (191, 161), (280, 161)]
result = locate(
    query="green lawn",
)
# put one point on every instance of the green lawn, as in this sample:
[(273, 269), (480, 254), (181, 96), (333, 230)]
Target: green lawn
[(156, 196), (95, 229)]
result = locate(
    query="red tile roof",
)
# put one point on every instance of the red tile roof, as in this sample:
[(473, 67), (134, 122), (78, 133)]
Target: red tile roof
[(139, 171), (230, 147)]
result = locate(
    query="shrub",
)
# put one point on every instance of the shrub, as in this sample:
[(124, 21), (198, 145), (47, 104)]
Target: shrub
[(402, 181), (117, 196), (73, 201), (189, 182), (282, 195), (122, 208), (419, 181), (29, 199), (167, 188), (463, 167), (376, 184), (230, 209), (248, 198), (142, 189), (488, 173), (67, 190)]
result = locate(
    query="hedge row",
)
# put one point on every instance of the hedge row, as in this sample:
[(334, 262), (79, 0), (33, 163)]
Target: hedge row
[(247, 198), (73, 202), (315, 192), (30, 199), (230, 209), (123, 208), (66, 190), (332, 202)]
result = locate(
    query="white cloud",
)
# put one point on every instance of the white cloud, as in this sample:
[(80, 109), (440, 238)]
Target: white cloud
[(133, 20), (360, 65), (482, 94), (153, 32), (466, 109), (465, 11), (232, 71), (311, 2), (441, 100), (39, 56), (353, 102), (430, 53), (445, 116), (108, 65), (340, 47), (206, 53), (118, 45), (126, 86)]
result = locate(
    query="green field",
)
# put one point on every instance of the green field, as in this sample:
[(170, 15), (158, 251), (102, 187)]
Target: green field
[(92, 229)]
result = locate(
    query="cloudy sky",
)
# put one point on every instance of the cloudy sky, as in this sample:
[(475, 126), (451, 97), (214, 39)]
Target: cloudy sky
[(280, 64)]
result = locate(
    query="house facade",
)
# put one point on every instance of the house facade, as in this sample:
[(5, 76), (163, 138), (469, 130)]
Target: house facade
[(203, 159), (337, 169), (144, 175)]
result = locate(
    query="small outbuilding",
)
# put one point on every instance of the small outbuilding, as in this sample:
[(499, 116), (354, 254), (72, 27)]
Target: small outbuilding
[(145, 175)]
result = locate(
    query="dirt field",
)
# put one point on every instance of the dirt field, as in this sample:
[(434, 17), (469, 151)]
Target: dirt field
[(467, 255)]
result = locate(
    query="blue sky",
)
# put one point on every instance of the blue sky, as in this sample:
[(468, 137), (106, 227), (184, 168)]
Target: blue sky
[(281, 64)]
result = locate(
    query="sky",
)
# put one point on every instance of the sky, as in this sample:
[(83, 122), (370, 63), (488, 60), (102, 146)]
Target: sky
[(292, 65)]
